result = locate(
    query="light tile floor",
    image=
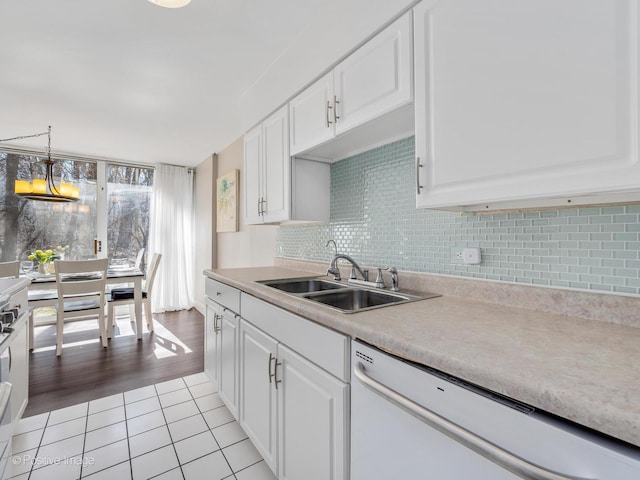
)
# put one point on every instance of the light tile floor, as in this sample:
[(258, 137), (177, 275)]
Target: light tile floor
[(175, 430)]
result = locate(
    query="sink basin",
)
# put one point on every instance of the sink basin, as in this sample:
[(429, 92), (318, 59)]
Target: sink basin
[(357, 299), (346, 298), (303, 285)]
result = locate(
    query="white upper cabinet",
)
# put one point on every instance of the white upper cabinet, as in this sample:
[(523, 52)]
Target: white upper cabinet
[(253, 176), (267, 170), (526, 104), (374, 80), (312, 115), (276, 203), (377, 78)]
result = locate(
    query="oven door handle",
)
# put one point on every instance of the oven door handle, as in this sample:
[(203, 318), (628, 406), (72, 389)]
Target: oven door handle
[(480, 445)]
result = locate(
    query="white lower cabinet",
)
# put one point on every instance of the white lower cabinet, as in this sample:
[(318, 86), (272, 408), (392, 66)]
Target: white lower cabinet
[(294, 412), (285, 379), (258, 411), (19, 369), (312, 420), (228, 360), (211, 348), (221, 340)]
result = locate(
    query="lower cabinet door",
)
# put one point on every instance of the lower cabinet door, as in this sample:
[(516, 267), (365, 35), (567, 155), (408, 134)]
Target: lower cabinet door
[(228, 360), (211, 338), (257, 407), (313, 420), (19, 370)]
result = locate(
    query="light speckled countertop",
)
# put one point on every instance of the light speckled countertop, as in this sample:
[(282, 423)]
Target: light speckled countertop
[(584, 370)]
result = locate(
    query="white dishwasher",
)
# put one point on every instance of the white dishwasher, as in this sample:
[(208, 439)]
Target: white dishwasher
[(399, 411)]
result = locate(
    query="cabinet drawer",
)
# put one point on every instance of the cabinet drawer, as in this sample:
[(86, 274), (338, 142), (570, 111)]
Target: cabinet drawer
[(322, 346), (19, 300), (223, 294)]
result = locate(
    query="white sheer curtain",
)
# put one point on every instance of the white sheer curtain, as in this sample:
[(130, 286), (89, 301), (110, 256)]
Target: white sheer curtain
[(172, 236)]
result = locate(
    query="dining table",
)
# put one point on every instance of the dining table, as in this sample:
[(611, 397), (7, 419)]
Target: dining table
[(40, 295)]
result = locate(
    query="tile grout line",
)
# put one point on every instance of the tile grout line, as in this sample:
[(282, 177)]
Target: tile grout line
[(84, 440), (214, 437), (169, 430)]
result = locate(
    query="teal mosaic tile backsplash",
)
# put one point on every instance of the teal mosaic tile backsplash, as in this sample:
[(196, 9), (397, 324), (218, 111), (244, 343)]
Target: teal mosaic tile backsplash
[(374, 219)]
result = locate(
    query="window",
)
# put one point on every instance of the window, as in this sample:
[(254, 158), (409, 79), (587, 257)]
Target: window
[(128, 212), (27, 225)]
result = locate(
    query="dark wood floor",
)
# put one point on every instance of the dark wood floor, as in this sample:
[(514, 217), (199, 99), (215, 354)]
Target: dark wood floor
[(87, 371)]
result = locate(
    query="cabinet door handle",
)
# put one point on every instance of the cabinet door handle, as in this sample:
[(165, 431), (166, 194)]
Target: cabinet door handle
[(335, 109), (276, 364), (216, 328), (418, 165), (263, 209), (271, 375), (329, 122), (259, 202)]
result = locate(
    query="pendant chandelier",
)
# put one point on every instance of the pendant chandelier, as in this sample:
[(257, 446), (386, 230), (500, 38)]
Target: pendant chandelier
[(45, 189)]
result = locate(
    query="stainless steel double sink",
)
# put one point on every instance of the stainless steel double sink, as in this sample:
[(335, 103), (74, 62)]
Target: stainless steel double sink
[(344, 297)]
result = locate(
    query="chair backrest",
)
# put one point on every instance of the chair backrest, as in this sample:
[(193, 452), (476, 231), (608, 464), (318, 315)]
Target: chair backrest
[(10, 269), (139, 258), (81, 278), (151, 272)]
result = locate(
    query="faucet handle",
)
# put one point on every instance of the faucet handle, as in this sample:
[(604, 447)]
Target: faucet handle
[(394, 279), (353, 273), (335, 272), (380, 280)]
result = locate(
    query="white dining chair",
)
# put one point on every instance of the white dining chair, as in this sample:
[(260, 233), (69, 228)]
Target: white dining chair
[(9, 269), (125, 296), (139, 256), (81, 292)]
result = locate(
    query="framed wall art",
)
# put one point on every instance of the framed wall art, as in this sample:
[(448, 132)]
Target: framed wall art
[(227, 202)]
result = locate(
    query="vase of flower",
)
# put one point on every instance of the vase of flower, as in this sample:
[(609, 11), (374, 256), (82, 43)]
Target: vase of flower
[(44, 259)]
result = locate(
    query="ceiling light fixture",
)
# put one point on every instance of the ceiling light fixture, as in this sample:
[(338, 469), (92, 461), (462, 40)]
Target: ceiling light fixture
[(45, 189), (171, 3)]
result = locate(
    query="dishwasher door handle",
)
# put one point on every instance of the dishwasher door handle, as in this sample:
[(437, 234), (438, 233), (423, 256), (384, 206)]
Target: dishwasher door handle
[(482, 446)]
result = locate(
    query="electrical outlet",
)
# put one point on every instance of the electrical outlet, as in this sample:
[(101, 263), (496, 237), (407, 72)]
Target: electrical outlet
[(471, 256), (467, 256)]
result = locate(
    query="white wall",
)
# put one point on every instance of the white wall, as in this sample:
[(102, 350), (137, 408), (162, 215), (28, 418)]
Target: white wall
[(335, 32), (253, 245), (204, 227)]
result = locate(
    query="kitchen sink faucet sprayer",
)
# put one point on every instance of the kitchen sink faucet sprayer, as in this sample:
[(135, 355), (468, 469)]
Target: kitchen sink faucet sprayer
[(335, 247)]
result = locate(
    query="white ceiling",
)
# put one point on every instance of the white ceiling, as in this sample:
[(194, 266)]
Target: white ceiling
[(128, 80)]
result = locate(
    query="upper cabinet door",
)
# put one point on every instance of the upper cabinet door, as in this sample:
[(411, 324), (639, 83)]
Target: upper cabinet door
[(252, 176), (277, 167), (525, 101), (312, 115), (377, 78)]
